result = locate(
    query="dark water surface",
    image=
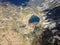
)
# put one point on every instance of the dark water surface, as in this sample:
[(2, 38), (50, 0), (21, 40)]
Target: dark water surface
[(34, 19), (16, 2)]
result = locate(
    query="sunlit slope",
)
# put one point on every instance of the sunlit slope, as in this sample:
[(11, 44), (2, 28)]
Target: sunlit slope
[(12, 22)]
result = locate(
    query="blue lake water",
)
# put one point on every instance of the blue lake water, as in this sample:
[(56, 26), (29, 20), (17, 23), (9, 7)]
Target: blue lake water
[(16, 2), (34, 19)]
